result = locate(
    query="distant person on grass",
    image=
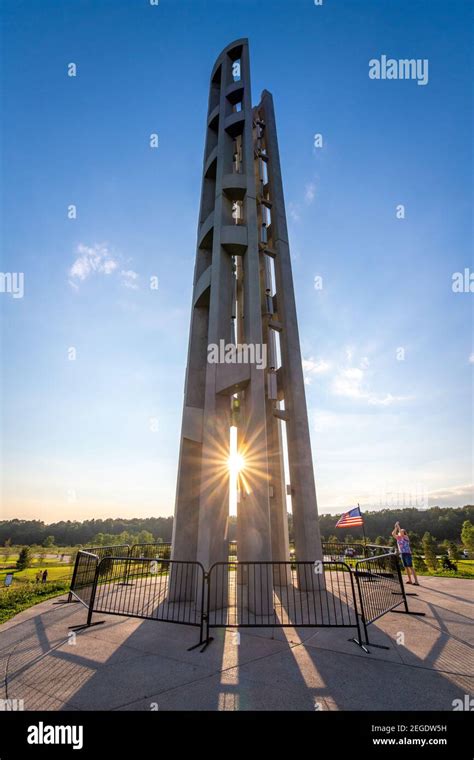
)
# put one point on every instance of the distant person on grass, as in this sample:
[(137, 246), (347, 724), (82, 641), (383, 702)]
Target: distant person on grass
[(39, 576), (45, 576), (403, 543)]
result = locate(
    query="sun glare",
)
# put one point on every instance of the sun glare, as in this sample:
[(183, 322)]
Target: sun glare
[(236, 463)]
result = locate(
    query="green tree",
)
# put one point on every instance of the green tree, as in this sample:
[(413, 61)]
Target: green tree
[(24, 559), (48, 541), (145, 537), (380, 541), (453, 551), (415, 540), (429, 550), (467, 535)]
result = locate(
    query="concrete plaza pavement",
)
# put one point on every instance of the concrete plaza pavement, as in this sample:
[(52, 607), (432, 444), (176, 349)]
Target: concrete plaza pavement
[(132, 664)]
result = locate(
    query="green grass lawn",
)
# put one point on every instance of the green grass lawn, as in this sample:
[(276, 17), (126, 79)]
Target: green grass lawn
[(24, 592), (57, 571), (465, 570)]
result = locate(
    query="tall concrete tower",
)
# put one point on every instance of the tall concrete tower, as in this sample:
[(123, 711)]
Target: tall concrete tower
[(243, 313)]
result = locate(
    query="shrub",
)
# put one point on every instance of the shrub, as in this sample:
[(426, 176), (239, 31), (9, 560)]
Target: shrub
[(448, 564), (25, 559), (429, 549)]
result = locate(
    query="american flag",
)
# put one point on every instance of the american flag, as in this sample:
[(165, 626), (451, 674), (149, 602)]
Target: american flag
[(350, 519)]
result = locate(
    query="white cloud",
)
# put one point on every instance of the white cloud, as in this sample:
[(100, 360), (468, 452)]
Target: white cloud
[(90, 259), (98, 259), (349, 353), (351, 383), (348, 382), (471, 359), (129, 279), (314, 367), (293, 211), (452, 497), (386, 400), (309, 193)]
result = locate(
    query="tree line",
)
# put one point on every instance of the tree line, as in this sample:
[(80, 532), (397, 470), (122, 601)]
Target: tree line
[(443, 523), (87, 532)]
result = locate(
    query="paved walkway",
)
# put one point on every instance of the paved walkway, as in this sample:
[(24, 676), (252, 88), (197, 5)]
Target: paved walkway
[(130, 664)]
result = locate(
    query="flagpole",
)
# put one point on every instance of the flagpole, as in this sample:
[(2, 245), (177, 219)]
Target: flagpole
[(363, 527)]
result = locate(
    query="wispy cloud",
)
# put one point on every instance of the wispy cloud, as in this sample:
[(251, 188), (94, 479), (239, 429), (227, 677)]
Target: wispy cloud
[(90, 259), (313, 367), (293, 210), (309, 193), (98, 259), (451, 497), (129, 279), (471, 359), (351, 382)]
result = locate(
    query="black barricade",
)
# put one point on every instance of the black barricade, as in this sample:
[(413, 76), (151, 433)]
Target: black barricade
[(154, 589), (327, 593), (375, 550), (281, 594), (83, 577), (117, 550), (380, 587)]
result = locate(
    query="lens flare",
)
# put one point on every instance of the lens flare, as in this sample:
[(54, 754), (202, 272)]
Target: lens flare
[(236, 463)]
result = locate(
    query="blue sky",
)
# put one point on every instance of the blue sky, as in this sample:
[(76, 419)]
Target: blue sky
[(99, 436)]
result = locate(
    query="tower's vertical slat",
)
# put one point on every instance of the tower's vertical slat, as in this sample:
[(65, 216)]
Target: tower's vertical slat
[(303, 491)]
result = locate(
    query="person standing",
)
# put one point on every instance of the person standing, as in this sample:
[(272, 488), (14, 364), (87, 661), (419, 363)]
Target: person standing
[(45, 576), (403, 544)]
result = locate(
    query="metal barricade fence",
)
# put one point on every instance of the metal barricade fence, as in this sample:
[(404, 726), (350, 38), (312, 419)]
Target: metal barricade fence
[(151, 588), (380, 589), (281, 594), (83, 578), (380, 585), (327, 593), (80, 564), (116, 550), (375, 550)]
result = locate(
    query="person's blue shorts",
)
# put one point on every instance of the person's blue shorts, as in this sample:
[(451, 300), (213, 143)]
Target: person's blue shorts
[(407, 559)]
